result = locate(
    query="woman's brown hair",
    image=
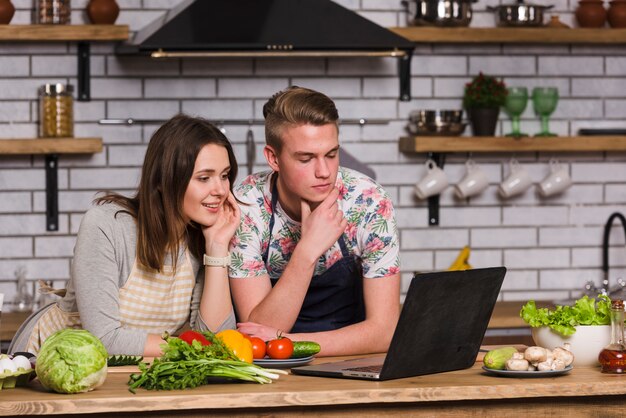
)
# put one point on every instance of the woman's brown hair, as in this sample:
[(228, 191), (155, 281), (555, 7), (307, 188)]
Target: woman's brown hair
[(165, 175), (296, 106)]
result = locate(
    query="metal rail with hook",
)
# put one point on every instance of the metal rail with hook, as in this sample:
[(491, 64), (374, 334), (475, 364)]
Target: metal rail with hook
[(133, 121)]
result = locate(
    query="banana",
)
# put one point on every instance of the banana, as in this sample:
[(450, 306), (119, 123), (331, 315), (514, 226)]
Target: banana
[(462, 260)]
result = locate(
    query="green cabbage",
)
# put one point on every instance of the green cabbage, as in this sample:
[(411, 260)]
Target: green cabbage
[(72, 361)]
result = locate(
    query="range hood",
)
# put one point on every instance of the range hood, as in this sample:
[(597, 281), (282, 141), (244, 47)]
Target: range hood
[(269, 28)]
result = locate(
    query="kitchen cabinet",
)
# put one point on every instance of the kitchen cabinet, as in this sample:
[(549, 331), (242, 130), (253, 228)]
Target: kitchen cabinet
[(51, 148), (470, 392), (83, 34), (544, 35)]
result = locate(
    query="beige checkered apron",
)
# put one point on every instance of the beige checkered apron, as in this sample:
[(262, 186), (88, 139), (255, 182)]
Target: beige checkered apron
[(150, 301)]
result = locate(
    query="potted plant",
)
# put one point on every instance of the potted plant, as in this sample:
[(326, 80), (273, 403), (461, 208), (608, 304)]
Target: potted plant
[(482, 100)]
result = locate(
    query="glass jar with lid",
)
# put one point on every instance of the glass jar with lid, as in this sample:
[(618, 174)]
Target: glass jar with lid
[(55, 12), (56, 113)]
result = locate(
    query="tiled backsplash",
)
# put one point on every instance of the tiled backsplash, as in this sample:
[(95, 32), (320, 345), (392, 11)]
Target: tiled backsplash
[(550, 245)]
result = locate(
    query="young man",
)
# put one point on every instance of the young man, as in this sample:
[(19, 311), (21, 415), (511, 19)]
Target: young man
[(316, 254)]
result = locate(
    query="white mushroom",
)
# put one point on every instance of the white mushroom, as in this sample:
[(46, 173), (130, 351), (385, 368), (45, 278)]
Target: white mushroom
[(545, 366), (517, 363), (536, 354), (563, 354)]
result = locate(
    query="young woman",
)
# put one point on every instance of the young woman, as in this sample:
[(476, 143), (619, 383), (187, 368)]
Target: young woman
[(137, 268)]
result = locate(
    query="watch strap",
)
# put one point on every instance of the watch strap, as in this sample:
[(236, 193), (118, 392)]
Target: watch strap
[(217, 261)]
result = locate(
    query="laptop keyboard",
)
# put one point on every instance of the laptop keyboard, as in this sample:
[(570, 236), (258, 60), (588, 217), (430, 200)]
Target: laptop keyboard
[(367, 369)]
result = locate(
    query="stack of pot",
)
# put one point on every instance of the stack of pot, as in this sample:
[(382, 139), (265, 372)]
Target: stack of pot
[(447, 13)]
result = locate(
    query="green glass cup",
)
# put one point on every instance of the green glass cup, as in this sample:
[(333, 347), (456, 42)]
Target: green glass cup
[(514, 106), (545, 100)]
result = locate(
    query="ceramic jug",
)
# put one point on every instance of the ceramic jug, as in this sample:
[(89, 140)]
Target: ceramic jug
[(103, 12), (617, 14), (590, 14), (7, 10)]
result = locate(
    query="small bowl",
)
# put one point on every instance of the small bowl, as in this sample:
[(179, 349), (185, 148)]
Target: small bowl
[(443, 129), (436, 116), (585, 344)]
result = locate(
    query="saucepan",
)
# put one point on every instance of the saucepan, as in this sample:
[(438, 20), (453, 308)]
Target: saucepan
[(519, 14), (439, 12)]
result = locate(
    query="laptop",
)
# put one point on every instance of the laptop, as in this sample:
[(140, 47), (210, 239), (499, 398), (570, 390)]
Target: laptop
[(441, 327)]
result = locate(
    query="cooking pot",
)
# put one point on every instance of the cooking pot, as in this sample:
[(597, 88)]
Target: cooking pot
[(439, 12), (519, 14)]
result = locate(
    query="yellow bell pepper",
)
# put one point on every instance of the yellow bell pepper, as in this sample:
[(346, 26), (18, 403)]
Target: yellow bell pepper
[(239, 345)]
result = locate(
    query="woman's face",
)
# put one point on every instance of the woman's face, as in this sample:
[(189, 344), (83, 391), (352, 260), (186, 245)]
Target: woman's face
[(209, 186)]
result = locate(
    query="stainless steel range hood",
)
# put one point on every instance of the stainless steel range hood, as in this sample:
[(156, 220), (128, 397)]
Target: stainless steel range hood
[(266, 29)]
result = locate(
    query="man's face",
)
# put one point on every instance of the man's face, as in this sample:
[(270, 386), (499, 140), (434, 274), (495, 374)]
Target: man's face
[(307, 163)]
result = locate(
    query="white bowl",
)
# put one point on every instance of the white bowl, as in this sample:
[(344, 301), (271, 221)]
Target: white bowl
[(585, 344)]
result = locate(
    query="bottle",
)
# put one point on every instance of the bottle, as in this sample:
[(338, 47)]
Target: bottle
[(56, 115), (613, 357), (23, 300), (53, 12)]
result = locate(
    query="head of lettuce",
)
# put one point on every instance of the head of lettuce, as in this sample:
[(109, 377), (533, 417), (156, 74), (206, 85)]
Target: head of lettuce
[(72, 361)]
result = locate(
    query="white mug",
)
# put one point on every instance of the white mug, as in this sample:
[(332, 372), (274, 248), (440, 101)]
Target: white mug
[(517, 182), (556, 182), (433, 183), (473, 183)]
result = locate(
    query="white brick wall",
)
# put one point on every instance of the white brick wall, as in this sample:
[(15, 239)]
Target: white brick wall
[(551, 246)]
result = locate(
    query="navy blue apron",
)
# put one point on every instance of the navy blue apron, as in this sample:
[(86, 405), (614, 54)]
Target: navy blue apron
[(335, 298)]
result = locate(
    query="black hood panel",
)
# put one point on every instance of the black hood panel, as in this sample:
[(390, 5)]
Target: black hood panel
[(261, 25)]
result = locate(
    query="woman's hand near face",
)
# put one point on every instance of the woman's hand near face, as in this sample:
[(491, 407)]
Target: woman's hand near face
[(219, 234)]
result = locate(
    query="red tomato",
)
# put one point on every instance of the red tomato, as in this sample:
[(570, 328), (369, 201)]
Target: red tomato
[(258, 347), (191, 336), (280, 348)]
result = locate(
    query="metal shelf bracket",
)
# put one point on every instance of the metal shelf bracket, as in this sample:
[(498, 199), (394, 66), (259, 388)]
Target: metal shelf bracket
[(84, 93), (52, 192), (433, 201), (404, 73)]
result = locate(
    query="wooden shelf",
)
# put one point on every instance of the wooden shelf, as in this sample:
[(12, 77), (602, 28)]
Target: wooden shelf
[(508, 144), (512, 35), (63, 32), (51, 146)]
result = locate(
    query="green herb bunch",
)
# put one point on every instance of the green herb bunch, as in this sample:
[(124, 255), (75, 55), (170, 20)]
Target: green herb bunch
[(185, 366), (564, 319), (483, 92)]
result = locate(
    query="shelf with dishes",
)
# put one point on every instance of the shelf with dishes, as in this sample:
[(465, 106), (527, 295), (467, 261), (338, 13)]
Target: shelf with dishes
[(439, 144), (504, 35), (51, 148)]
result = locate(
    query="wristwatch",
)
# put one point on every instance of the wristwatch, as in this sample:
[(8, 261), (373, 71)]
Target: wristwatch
[(217, 261)]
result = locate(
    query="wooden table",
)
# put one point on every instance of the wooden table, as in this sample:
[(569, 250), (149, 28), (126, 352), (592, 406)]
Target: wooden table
[(9, 324), (470, 392)]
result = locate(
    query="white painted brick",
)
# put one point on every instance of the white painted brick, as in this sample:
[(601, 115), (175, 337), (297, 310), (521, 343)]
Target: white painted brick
[(416, 260), (37, 268), (595, 86), (14, 66), (469, 216), (167, 88), (127, 155), (440, 65), (567, 279), (218, 67), (592, 215), (372, 153), (88, 111), (106, 178), (380, 5), (384, 19), (160, 4), (362, 66), (22, 180), (411, 217), (14, 202), (54, 246), (520, 280), (570, 237), (220, 109), (290, 67), (584, 108), (615, 108), (386, 87), (615, 193), (69, 201), (142, 109), (12, 111), (536, 216), (110, 134), (369, 109), (243, 88), (337, 87), (21, 225), (521, 65), (21, 48), (385, 132), (434, 238), (137, 20), (539, 295), (615, 50), (538, 49), (450, 87), (348, 4), (421, 87), (64, 65), (116, 88), (23, 88), (536, 258), (592, 257), (503, 237), (588, 172), (15, 161), (396, 174), (561, 66), (118, 65), (615, 66), (16, 247)]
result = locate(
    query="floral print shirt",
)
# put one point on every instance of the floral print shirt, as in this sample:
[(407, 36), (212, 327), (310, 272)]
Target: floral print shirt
[(371, 233)]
